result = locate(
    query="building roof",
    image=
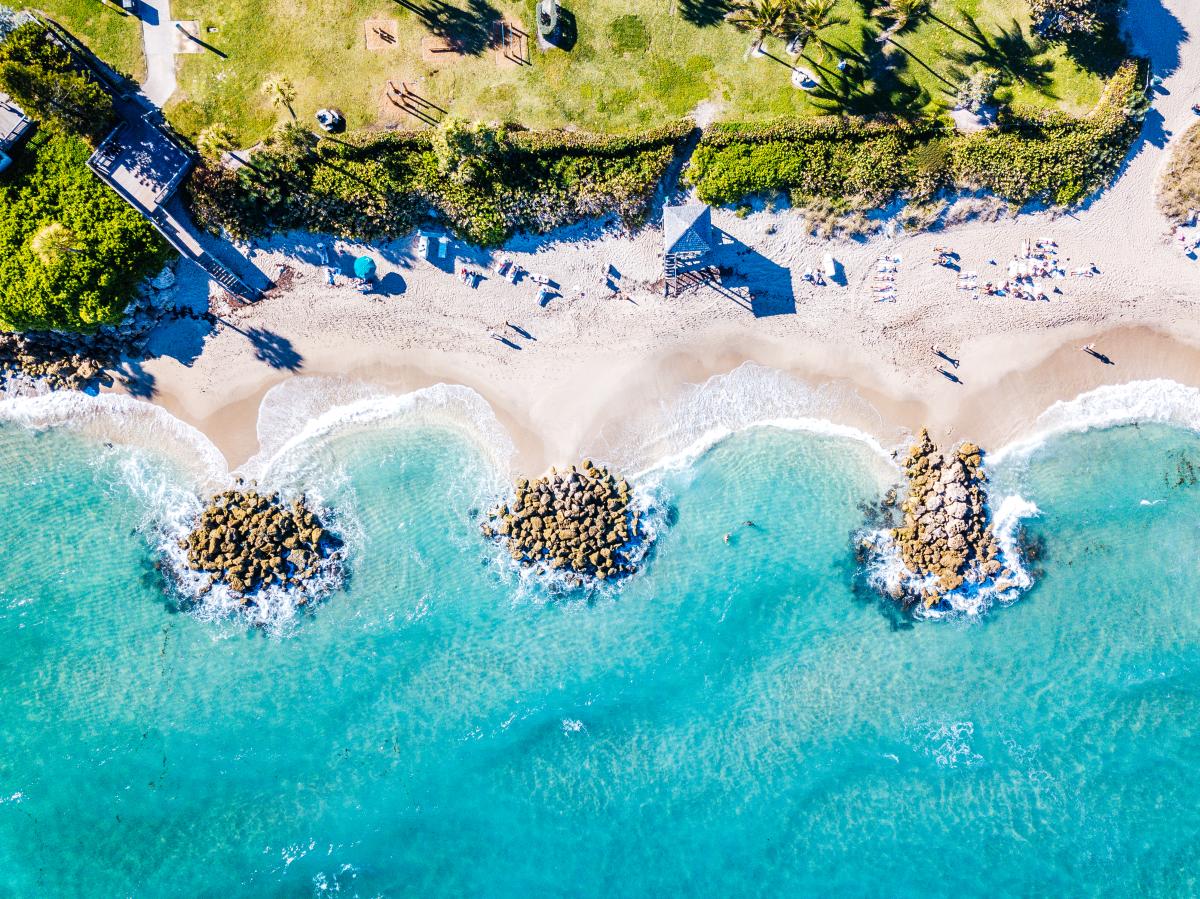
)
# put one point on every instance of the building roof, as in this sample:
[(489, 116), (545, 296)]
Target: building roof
[(687, 229), (13, 122)]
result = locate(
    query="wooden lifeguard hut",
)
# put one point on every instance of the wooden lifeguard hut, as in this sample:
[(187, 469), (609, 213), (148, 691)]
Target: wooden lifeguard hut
[(687, 242)]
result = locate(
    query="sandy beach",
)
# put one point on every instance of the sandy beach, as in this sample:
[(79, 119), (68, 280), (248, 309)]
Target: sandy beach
[(611, 349)]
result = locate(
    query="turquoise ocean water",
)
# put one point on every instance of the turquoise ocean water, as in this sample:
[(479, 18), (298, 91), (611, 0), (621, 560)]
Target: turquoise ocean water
[(745, 720)]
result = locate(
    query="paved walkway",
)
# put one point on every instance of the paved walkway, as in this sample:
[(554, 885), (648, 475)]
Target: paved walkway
[(158, 37)]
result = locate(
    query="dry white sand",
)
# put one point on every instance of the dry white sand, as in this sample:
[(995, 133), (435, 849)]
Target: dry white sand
[(595, 357)]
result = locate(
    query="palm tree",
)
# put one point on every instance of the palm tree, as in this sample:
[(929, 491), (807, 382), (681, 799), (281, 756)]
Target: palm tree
[(214, 141), (52, 241), (901, 12), (281, 91), (766, 18), (812, 16)]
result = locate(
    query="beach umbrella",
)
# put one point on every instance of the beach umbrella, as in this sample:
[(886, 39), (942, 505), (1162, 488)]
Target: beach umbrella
[(364, 267)]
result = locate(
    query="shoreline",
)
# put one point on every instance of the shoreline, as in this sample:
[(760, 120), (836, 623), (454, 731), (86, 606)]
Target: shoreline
[(999, 403)]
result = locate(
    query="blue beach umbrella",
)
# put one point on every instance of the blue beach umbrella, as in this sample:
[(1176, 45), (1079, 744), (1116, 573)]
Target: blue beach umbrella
[(364, 268)]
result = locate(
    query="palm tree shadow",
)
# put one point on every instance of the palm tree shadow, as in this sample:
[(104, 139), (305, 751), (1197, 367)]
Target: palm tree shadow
[(274, 349), (1010, 50), (470, 29), (868, 86), (703, 13)]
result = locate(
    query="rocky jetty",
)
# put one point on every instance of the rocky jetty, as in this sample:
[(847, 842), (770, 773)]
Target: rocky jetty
[(946, 538), (249, 540), (581, 521), (62, 361)]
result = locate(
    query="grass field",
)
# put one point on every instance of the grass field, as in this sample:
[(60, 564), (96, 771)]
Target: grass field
[(109, 32), (632, 65)]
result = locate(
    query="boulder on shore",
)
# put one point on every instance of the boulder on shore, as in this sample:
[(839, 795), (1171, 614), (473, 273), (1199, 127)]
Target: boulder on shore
[(249, 540), (579, 520)]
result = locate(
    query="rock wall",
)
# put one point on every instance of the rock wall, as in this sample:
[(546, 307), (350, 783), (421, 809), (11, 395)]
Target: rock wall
[(69, 361), (248, 540), (579, 521), (946, 535)]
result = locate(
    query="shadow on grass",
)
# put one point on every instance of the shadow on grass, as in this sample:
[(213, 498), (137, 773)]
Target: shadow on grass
[(703, 13), (1010, 50), (469, 29), (869, 85)]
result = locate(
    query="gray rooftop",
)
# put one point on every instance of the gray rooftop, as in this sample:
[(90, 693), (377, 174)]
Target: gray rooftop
[(13, 122), (687, 229)]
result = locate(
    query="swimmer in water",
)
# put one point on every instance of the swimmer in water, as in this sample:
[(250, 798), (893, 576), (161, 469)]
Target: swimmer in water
[(726, 538)]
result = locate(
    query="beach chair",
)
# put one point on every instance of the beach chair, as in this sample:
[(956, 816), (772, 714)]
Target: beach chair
[(423, 246), (443, 246)]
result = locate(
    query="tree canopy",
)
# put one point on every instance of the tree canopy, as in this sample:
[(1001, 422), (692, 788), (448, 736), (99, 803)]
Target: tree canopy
[(71, 251), (41, 76)]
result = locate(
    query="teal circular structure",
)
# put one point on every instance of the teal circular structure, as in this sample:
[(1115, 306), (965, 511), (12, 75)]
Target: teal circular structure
[(364, 267)]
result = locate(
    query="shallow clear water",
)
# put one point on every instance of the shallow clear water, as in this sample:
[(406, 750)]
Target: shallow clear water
[(735, 720)]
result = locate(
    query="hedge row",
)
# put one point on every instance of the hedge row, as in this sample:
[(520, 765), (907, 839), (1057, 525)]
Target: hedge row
[(854, 163), (383, 185)]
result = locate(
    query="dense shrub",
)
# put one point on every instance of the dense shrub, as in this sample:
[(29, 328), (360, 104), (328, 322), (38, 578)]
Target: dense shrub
[(40, 75), (1052, 156), (383, 185), (851, 160), (71, 251), (1179, 187), (1062, 19), (854, 164)]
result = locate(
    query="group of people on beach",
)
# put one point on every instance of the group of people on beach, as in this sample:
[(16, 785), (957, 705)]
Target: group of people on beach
[(884, 282)]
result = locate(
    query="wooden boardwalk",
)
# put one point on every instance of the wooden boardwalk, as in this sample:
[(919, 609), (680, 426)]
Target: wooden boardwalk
[(142, 163)]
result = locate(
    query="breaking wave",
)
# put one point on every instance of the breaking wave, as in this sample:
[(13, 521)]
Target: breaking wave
[(1158, 401)]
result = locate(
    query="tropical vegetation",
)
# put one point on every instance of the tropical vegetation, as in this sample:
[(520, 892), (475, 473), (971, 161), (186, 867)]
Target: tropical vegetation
[(1059, 19), (1179, 187), (43, 79), (854, 162), (483, 182), (72, 252)]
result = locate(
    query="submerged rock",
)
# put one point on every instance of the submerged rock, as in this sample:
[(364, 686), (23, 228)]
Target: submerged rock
[(579, 521), (946, 539), (249, 540)]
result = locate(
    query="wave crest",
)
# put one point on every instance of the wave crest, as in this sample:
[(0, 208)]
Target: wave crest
[(1159, 401)]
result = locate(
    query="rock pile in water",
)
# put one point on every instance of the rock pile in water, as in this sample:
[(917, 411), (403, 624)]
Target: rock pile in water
[(947, 531), (248, 540), (579, 521)]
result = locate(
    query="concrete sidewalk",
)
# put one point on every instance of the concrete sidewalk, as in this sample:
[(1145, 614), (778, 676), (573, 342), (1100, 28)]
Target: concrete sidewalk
[(158, 38)]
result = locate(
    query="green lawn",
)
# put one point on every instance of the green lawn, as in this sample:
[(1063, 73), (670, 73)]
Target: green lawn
[(633, 65), (109, 32)]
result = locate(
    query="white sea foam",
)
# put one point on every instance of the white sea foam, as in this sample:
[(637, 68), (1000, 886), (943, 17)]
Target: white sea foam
[(301, 414), (1138, 402), (297, 421), (887, 573), (122, 420), (678, 432)]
